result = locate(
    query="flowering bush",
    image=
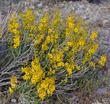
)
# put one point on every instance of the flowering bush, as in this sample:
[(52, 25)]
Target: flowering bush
[(61, 49)]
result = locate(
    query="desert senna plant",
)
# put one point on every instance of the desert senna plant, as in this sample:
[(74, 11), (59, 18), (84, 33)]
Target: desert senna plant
[(61, 49)]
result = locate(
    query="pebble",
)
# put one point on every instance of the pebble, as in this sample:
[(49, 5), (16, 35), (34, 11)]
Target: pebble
[(13, 101), (40, 5), (106, 23)]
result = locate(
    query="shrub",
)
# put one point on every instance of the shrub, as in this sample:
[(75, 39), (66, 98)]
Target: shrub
[(50, 53)]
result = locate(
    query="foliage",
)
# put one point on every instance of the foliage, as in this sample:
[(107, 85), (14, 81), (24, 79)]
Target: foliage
[(50, 53)]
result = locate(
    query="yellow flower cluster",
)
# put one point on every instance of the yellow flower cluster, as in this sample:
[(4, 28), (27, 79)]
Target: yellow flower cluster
[(51, 72), (56, 58), (102, 60), (92, 64), (29, 20), (90, 52), (13, 82), (93, 35), (52, 34), (37, 72), (70, 26), (43, 24), (16, 41), (27, 73), (81, 42), (56, 19), (36, 75), (76, 30), (69, 68), (42, 29), (93, 49), (46, 87), (13, 27)]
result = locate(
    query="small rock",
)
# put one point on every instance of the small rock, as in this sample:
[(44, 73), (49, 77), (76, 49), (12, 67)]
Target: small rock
[(13, 101), (40, 5), (106, 23)]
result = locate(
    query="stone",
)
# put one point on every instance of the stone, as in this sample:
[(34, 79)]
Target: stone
[(13, 101), (106, 23), (40, 5)]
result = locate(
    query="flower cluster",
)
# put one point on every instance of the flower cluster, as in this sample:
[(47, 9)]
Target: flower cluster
[(27, 72), (13, 82), (37, 72), (93, 36), (103, 60), (42, 28), (46, 87), (34, 73), (90, 52), (28, 21), (56, 58), (13, 28)]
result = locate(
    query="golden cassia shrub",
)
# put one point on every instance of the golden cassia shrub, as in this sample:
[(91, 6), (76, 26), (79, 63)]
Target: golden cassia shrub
[(60, 48)]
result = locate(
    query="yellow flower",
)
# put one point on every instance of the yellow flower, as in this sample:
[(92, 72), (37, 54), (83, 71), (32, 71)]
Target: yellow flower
[(13, 27), (27, 72), (56, 57), (76, 30), (70, 22), (93, 35), (60, 64), (93, 49), (51, 89), (70, 26), (66, 48), (48, 39), (50, 30), (81, 42), (37, 76), (103, 60), (44, 47), (11, 91), (92, 64), (43, 24), (31, 35), (42, 93), (69, 68), (13, 83), (29, 20), (70, 44), (50, 55), (51, 71), (16, 41), (13, 23)]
